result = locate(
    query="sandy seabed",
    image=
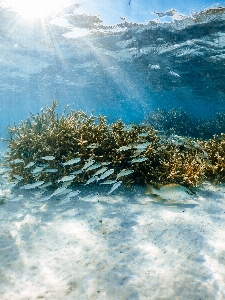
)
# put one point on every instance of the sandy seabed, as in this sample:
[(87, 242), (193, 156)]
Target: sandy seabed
[(126, 245)]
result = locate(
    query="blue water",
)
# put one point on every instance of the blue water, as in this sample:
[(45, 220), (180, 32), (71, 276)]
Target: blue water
[(121, 74)]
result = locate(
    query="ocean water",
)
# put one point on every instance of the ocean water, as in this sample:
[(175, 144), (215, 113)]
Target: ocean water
[(124, 244), (122, 71)]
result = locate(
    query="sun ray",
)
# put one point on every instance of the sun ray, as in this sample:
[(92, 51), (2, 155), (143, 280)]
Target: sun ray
[(36, 9)]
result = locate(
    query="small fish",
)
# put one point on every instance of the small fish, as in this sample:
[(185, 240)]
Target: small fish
[(72, 161), (18, 198), (123, 148), (48, 157), (106, 163), (92, 179), (74, 193), (138, 160), (88, 164), (138, 152), (38, 194), (106, 174), (174, 74), (58, 190), (66, 178), (31, 164), (93, 167), (18, 177), (50, 171), (102, 170), (170, 192), (67, 183), (93, 146), (45, 185), (17, 161), (108, 182), (37, 170), (133, 145), (5, 169), (124, 172), (154, 67), (127, 128), (77, 172), (45, 198), (114, 187), (91, 198), (143, 146), (64, 201), (11, 185), (66, 191), (143, 134), (32, 185)]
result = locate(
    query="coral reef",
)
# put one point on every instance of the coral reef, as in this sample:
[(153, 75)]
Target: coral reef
[(178, 121), (215, 148), (56, 151)]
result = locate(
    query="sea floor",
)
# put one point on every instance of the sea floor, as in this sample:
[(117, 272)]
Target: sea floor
[(126, 245)]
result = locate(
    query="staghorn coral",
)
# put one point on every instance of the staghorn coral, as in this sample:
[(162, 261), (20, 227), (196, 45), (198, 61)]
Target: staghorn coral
[(215, 148), (74, 146), (178, 121)]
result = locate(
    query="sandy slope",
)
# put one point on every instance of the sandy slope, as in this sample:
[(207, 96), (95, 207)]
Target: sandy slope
[(123, 246)]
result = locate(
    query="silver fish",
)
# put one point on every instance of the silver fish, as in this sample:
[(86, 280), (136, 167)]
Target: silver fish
[(143, 134), (64, 201), (115, 186), (37, 170), (77, 172), (93, 167), (58, 190), (18, 198), (102, 170), (106, 174), (138, 152), (72, 161), (88, 164), (48, 157), (74, 193), (66, 191), (11, 185), (138, 160), (32, 185), (45, 185), (93, 146), (67, 178), (106, 163), (143, 146), (38, 194), (45, 198), (17, 161), (50, 171), (92, 179), (124, 172), (91, 198), (18, 177), (123, 148), (31, 164)]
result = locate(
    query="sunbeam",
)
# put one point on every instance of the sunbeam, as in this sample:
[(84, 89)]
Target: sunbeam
[(36, 9)]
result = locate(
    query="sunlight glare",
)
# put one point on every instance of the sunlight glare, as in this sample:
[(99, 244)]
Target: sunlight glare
[(36, 9)]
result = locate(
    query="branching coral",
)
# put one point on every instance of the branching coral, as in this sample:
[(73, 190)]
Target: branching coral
[(178, 121), (77, 148)]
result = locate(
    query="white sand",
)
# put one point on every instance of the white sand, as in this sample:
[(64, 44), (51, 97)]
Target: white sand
[(123, 246)]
